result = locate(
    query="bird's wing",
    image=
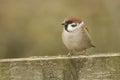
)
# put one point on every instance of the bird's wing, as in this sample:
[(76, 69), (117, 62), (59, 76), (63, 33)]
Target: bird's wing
[(85, 31)]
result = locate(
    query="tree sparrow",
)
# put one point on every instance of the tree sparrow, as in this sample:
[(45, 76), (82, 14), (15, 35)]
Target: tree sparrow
[(75, 35)]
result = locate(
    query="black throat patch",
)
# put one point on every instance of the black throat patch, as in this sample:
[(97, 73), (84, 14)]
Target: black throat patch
[(66, 28), (66, 25)]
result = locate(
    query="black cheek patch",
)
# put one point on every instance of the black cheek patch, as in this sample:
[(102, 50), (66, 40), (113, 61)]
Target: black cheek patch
[(66, 28), (74, 25)]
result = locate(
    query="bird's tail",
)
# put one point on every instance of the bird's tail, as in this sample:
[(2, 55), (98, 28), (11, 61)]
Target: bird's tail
[(93, 45)]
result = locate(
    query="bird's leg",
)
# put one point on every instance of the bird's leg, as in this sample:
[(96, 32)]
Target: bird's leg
[(85, 52), (70, 53)]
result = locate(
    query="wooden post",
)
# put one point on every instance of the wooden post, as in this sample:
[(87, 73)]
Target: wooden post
[(91, 67)]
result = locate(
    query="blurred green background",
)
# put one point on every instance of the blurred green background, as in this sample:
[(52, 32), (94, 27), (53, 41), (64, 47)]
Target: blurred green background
[(32, 27)]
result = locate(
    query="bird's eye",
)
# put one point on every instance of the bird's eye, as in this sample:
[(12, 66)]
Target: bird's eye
[(73, 25)]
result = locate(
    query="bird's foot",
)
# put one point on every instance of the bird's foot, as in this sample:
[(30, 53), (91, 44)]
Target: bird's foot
[(85, 52), (69, 54)]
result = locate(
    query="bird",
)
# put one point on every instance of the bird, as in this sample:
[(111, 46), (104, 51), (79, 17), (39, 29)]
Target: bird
[(75, 35)]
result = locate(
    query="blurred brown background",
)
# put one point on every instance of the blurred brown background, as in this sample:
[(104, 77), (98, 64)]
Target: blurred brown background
[(32, 27)]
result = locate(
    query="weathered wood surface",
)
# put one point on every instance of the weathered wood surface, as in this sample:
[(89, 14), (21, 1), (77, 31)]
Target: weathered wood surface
[(92, 67)]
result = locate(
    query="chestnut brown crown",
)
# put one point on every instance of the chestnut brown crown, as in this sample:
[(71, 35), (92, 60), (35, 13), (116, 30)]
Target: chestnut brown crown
[(73, 19)]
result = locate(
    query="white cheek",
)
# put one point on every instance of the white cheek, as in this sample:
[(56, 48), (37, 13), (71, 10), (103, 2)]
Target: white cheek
[(79, 26), (70, 28)]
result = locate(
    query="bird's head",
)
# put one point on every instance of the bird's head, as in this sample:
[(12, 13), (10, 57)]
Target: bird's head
[(72, 23)]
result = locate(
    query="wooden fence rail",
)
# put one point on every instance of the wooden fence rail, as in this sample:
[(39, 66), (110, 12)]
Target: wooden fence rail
[(91, 67)]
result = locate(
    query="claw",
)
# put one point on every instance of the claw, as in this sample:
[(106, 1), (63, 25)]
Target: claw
[(70, 54)]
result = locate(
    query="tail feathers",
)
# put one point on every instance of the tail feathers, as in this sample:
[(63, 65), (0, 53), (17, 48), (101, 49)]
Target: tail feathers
[(93, 45)]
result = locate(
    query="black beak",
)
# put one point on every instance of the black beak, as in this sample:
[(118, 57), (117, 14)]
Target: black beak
[(63, 23)]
